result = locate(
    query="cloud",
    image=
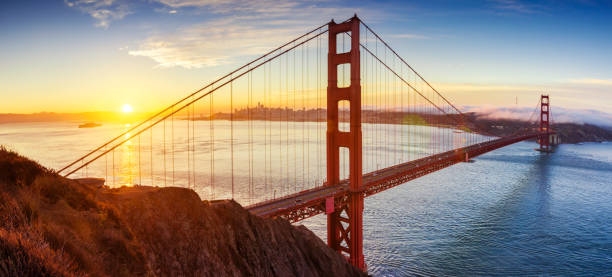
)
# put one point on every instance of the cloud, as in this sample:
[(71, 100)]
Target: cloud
[(211, 43), (237, 28), (230, 30), (592, 81), (233, 6), (410, 36), (103, 11), (469, 87), (192, 3), (558, 114), (568, 95), (515, 6)]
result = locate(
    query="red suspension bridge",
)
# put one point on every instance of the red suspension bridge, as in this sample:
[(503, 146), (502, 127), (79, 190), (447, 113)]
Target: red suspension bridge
[(271, 137)]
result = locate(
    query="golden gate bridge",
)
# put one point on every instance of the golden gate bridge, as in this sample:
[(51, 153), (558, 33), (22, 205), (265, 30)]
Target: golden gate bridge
[(270, 136)]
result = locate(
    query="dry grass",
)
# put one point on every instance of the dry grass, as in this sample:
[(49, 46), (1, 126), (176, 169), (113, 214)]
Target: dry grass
[(23, 250), (52, 226)]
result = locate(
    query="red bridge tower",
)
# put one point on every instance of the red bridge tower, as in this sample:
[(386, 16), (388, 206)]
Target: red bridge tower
[(344, 221)]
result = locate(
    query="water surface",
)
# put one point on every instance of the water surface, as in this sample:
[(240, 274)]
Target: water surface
[(514, 212)]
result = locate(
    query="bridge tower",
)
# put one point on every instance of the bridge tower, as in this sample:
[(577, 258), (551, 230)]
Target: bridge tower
[(544, 123), (344, 221)]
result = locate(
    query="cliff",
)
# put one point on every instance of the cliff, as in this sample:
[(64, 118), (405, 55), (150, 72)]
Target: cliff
[(53, 226)]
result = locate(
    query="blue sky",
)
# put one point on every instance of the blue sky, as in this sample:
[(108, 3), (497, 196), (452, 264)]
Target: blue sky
[(58, 55)]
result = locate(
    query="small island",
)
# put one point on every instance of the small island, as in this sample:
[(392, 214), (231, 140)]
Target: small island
[(90, 125)]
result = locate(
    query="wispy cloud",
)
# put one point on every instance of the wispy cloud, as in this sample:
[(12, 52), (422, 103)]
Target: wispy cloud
[(239, 28), (232, 6), (103, 11), (193, 3), (211, 43), (564, 96), (410, 36), (592, 81), (515, 6), (469, 87), (559, 114)]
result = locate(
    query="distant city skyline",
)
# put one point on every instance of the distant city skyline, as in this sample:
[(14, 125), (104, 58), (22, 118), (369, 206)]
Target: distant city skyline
[(98, 55)]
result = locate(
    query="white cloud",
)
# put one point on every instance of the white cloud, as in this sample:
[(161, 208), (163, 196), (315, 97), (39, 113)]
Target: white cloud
[(231, 29), (566, 95), (103, 11), (211, 43), (592, 81), (233, 6), (410, 36), (516, 6), (192, 3), (558, 114), (239, 28)]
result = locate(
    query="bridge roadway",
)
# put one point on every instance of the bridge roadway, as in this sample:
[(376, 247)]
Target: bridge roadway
[(307, 203)]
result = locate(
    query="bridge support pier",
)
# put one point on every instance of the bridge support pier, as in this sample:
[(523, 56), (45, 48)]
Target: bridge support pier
[(344, 224)]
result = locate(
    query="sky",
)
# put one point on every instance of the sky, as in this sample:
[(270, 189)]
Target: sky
[(97, 55)]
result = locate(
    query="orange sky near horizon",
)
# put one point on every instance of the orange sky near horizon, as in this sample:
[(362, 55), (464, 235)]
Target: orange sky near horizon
[(67, 60)]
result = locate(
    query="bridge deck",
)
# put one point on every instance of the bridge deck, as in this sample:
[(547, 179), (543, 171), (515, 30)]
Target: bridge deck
[(304, 204)]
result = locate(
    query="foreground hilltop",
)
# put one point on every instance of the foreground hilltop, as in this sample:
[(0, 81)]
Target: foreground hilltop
[(53, 226)]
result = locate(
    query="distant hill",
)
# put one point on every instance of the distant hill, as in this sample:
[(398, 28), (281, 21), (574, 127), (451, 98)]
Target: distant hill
[(478, 122), (75, 117), (568, 132)]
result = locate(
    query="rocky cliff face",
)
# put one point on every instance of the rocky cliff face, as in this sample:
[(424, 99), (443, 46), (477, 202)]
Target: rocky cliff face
[(52, 226)]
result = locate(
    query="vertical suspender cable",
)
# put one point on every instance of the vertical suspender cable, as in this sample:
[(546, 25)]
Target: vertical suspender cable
[(307, 117), (294, 128), (386, 114), (269, 122), (113, 167), (303, 122), (139, 166), (151, 155), (105, 166), (193, 122), (395, 113), (189, 168), (265, 122), (232, 131), (287, 120), (172, 138), (365, 93), (212, 146), (318, 181), (250, 142), (164, 141), (280, 125)]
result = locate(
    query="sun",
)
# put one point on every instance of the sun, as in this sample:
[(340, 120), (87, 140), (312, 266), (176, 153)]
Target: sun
[(127, 108)]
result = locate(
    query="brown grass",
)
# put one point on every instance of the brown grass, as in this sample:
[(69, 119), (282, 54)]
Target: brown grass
[(52, 226)]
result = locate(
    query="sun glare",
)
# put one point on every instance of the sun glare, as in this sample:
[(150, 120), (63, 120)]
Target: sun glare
[(127, 108)]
